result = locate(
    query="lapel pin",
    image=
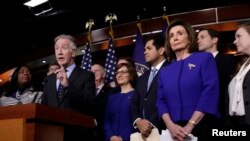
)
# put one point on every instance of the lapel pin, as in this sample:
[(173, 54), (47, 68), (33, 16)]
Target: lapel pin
[(190, 66)]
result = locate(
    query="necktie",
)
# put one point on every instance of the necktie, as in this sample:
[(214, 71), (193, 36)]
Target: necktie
[(60, 91), (96, 91), (151, 76)]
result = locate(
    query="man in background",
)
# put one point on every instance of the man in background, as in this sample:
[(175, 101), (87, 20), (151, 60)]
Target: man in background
[(52, 68), (209, 41), (144, 111), (100, 98)]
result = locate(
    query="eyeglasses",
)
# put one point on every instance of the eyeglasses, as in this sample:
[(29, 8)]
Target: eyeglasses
[(121, 72)]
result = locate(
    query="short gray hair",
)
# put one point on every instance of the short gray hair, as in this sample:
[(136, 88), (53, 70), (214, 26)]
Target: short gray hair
[(69, 37)]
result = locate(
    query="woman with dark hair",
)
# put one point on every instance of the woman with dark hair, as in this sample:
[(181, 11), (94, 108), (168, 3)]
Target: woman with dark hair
[(21, 89), (188, 88), (117, 119), (126, 59)]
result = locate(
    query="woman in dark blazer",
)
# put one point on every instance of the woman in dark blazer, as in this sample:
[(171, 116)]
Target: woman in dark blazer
[(239, 86), (188, 88)]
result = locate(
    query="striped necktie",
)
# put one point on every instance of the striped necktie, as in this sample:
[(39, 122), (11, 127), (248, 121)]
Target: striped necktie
[(60, 91)]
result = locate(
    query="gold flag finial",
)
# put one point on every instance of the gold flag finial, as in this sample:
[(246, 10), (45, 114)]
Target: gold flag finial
[(110, 17), (164, 10), (89, 24), (138, 24), (165, 17)]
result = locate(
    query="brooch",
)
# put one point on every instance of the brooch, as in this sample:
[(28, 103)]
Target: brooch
[(190, 66)]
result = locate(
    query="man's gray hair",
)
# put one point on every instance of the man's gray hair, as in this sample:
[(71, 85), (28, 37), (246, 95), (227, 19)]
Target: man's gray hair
[(69, 37)]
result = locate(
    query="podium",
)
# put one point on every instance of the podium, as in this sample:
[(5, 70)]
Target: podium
[(37, 122)]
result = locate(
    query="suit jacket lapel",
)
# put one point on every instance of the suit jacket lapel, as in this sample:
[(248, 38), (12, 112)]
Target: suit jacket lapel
[(153, 83), (73, 75), (54, 89), (144, 91), (245, 78), (155, 78)]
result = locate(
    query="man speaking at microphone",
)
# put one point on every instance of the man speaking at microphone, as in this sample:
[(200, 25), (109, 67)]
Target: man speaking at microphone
[(70, 87)]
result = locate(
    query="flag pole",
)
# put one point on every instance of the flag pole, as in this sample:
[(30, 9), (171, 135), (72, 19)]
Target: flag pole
[(110, 63), (89, 24), (111, 17), (87, 57), (165, 17), (138, 24)]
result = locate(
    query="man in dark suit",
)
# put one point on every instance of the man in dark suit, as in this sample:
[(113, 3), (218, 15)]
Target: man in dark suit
[(144, 111), (70, 87), (102, 92), (209, 41)]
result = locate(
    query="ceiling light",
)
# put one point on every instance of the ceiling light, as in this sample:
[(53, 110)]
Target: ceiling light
[(34, 3), (44, 61), (197, 30), (39, 7)]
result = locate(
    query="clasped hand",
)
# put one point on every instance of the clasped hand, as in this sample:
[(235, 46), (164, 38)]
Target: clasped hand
[(145, 127), (180, 133)]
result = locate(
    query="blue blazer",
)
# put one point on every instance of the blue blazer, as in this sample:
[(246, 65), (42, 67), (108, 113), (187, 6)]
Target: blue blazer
[(189, 85), (117, 119)]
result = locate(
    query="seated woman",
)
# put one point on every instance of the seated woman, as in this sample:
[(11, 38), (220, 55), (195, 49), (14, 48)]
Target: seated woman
[(21, 89)]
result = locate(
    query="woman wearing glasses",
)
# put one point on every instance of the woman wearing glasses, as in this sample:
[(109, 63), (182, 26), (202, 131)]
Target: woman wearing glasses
[(117, 120)]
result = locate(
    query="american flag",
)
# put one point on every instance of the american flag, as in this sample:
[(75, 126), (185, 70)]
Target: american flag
[(110, 62), (138, 55), (87, 58)]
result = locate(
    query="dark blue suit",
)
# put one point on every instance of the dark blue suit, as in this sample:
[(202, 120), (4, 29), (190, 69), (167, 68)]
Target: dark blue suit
[(144, 102), (78, 97), (99, 108), (226, 65)]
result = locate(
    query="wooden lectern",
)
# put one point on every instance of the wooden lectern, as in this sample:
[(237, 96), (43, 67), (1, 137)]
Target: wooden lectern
[(36, 122)]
